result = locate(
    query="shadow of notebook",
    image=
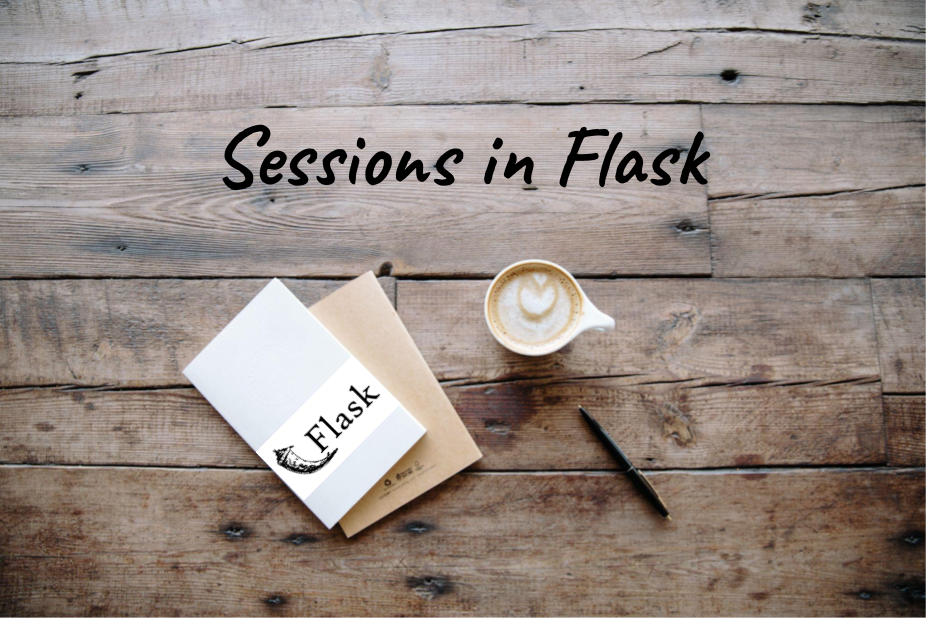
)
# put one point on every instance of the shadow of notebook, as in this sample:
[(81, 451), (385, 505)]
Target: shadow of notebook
[(362, 318)]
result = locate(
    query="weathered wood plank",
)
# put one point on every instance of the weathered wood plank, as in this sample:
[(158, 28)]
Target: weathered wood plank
[(518, 64), (527, 425), (121, 332), (899, 315), (844, 235), (758, 150), (518, 426), (184, 542), (904, 430), (168, 427), (54, 31), (731, 331), (186, 222), (143, 332)]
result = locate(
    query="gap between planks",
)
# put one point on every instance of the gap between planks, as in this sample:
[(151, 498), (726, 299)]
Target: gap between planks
[(706, 382), (823, 194), (507, 103), (451, 277), (193, 25), (409, 278), (765, 469), (407, 33)]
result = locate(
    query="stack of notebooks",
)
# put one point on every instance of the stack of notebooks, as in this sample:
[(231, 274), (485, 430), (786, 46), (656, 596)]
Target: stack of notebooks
[(336, 399)]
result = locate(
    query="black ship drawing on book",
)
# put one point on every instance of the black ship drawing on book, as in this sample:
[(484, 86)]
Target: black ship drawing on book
[(291, 461)]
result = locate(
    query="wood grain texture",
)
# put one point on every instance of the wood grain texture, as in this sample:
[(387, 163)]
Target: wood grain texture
[(842, 235), (728, 331), (52, 31), (143, 332), (904, 430), (518, 64), (142, 195), (121, 332), (899, 315), (536, 425), (701, 373), (217, 542), (518, 426), (164, 427), (761, 150)]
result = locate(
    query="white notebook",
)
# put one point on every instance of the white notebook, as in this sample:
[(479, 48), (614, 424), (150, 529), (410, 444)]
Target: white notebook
[(310, 410)]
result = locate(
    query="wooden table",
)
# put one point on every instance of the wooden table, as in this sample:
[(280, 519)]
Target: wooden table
[(767, 369)]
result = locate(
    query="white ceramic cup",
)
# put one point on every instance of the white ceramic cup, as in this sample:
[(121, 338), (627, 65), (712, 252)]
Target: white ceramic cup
[(589, 317)]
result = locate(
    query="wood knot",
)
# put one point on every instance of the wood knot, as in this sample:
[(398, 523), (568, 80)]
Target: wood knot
[(236, 531), (498, 427), (912, 592), (730, 76), (275, 600), (418, 527), (672, 332), (676, 425), (686, 226), (429, 587), (298, 539), (381, 73), (818, 14), (914, 539)]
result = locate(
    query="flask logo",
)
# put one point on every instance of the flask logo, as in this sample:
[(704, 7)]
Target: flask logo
[(291, 461)]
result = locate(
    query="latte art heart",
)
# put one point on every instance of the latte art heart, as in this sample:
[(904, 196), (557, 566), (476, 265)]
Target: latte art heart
[(537, 295), (534, 306)]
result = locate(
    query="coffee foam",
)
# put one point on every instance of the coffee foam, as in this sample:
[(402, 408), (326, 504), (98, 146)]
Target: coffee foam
[(534, 306)]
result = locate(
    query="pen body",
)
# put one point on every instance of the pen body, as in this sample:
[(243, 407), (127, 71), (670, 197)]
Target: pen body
[(625, 465)]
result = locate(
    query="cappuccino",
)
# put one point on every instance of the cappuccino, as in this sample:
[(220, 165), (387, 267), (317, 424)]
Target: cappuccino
[(534, 306)]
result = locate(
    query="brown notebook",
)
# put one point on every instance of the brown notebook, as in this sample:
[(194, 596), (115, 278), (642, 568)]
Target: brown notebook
[(362, 318)]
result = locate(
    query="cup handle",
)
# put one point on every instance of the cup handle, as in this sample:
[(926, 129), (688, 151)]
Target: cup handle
[(595, 319)]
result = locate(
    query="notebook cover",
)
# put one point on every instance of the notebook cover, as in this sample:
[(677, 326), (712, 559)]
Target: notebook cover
[(319, 419), (362, 318)]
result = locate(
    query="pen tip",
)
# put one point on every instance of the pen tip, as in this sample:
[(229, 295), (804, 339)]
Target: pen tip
[(670, 518)]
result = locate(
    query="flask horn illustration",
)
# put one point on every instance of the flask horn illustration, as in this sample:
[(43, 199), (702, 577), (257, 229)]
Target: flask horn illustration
[(288, 459)]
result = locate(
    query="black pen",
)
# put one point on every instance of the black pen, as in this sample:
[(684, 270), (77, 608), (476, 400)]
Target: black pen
[(626, 467)]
